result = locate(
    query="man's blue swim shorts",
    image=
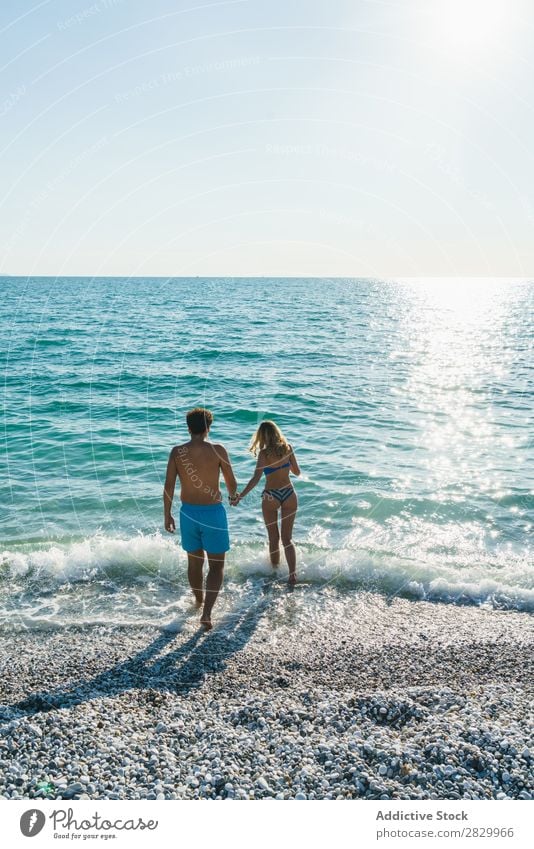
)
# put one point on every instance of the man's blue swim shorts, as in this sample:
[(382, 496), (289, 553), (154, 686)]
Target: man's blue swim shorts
[(204, 526)]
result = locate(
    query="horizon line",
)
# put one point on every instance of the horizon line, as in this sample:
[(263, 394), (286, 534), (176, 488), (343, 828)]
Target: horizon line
[(383, 278)]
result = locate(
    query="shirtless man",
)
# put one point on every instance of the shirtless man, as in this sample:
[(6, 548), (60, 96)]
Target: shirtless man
[(203, 523)]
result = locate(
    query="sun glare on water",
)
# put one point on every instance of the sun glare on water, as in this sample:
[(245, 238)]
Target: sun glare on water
[(460, 299), (456, 359)]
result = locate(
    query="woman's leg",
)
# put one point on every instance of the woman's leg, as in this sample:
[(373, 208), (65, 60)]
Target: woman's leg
[(289, 511), (269, 506)]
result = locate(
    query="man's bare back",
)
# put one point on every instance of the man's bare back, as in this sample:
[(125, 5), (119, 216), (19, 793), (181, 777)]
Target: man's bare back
[(198, 466)]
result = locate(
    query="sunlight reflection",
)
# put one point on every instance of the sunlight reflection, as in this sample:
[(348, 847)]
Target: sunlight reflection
[(456, 357)]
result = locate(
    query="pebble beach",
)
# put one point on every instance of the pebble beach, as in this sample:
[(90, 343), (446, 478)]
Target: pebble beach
[(385, 699)]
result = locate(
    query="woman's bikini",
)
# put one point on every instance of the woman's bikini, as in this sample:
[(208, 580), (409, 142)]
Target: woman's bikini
[(285, 491)]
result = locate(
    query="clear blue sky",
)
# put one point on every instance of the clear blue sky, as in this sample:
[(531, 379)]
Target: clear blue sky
[(337, 137)]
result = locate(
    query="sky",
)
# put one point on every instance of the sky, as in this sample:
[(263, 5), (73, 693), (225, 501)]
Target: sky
[(374, 138)]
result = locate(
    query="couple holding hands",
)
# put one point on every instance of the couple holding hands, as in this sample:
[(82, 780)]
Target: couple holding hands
[(198, 464)]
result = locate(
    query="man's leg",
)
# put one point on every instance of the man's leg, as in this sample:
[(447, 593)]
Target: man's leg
[(213, 585), (195, 562)]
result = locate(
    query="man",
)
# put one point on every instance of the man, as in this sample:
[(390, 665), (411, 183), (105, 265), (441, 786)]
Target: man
[(203, 523)]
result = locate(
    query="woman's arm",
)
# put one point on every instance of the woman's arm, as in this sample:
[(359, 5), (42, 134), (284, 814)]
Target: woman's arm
[(256, 477), (294, 467)]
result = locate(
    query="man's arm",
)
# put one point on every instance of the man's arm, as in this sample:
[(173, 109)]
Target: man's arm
[(168, 493), (227, 471)]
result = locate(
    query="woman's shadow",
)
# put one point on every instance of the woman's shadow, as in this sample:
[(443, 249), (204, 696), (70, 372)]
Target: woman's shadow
[(177, 671)]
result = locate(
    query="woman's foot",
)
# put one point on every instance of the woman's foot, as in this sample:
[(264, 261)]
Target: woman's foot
[(199, 598), (292, 578), (205, 621)]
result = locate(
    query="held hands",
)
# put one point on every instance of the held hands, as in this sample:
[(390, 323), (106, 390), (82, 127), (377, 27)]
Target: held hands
[(234, 499), (170, 524)]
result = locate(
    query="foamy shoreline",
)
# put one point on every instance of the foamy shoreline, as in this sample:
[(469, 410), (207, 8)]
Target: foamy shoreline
[(380, 699)]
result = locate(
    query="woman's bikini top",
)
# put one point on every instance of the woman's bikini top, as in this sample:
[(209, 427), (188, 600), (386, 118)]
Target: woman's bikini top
[(270, 469)]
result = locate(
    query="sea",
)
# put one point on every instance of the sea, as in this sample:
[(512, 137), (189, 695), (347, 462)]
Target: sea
[(409, 404)]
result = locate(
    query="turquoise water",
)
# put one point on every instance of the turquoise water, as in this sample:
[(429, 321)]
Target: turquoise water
[(409, 404)]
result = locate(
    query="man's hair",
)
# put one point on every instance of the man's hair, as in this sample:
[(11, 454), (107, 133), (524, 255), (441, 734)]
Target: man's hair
[(199, 420)]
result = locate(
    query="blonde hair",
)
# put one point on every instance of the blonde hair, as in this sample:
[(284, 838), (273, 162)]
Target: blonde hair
[(270, 437)]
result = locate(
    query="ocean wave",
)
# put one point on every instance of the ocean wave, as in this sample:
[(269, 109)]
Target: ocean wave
[(130, 562)]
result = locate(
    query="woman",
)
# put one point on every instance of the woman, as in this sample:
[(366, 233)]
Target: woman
[(276, 460)]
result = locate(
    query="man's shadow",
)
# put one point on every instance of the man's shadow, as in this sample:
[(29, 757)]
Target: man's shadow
[(178, 671)]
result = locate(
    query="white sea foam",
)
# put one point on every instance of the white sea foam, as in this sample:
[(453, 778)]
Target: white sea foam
[(136, 564)]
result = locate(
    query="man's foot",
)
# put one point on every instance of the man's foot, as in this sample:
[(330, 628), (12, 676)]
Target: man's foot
[(205, 621), (292, 578), (199, 598)]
